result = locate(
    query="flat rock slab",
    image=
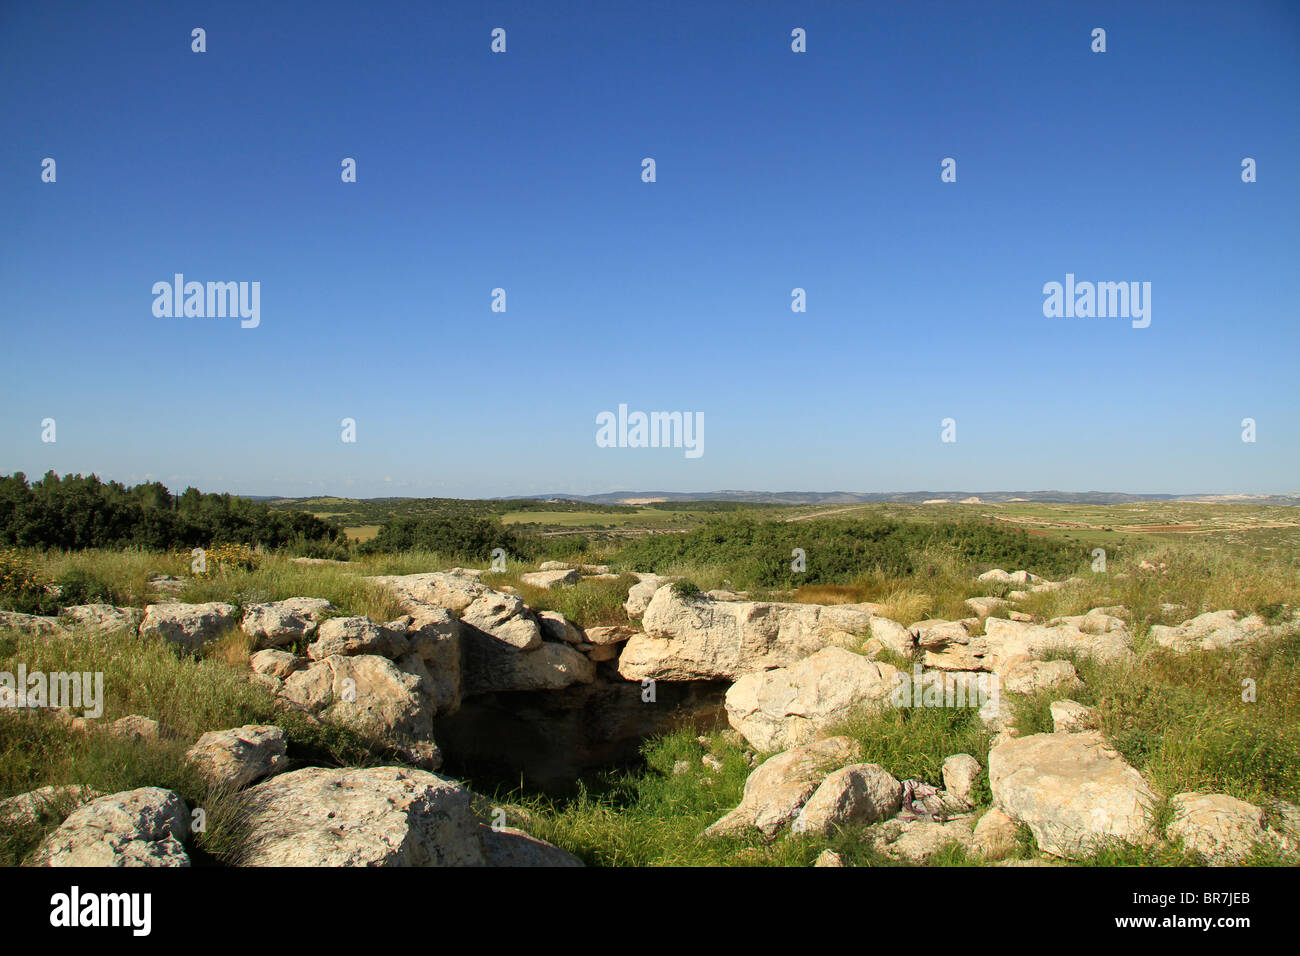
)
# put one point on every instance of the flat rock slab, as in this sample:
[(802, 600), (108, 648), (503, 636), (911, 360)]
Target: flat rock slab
[(279, 623), (1073, 791), (1223, 829), (378, 816), (550, 579), (104, 618), (916, 841), (695, 638), (1213, 631)]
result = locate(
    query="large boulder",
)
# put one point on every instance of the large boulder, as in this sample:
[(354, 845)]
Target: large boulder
[(640, 594), (1212, 631), (377, 816), (1030, 677), (101, 617), (448, 589), (491, 665), (858, 793), (695, 638), (369, 694), (237, 757), (142, 827), (505, 618), (779, 787), (275, 663), (280, 623), (188, 625), (1073, 791), (1223, 829), (557, 627), (788, 706), (893, 636), (434, 641), (351, 636)]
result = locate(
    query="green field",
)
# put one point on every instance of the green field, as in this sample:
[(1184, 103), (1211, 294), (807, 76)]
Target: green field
[(1245, 526)]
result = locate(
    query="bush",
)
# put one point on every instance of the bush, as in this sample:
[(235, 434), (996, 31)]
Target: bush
[(757, 554), (225, 558), (686, 589), (20, 588), (81, 587), (471, 539)]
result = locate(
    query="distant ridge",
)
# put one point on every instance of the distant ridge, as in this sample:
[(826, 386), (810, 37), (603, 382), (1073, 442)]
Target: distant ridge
[(910, 497)]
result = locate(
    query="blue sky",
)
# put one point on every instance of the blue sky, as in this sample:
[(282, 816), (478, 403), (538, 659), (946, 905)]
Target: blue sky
[(775, 170)]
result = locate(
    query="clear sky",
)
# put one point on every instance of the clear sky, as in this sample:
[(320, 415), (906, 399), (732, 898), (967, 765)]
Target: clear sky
[(775, 170)]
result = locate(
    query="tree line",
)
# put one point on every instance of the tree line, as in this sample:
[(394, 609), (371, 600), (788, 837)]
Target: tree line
[(80, 511)]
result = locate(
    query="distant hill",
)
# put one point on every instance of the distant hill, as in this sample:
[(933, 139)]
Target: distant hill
[(914, 497)]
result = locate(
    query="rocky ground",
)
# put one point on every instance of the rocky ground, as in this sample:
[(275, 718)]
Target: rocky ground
[(785, 675)]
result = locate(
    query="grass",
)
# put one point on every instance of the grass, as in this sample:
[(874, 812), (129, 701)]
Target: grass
[(186, 696), (656, 817), (1200, 577), (1180, 719)]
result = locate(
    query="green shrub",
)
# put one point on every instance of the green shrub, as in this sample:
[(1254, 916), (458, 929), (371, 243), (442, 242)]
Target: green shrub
[(468, 538), (81, 587), (686, 589), (757, 554), (20, 586)]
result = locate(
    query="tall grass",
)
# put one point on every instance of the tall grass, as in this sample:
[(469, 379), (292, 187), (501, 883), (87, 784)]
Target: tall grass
[(147, 677)]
